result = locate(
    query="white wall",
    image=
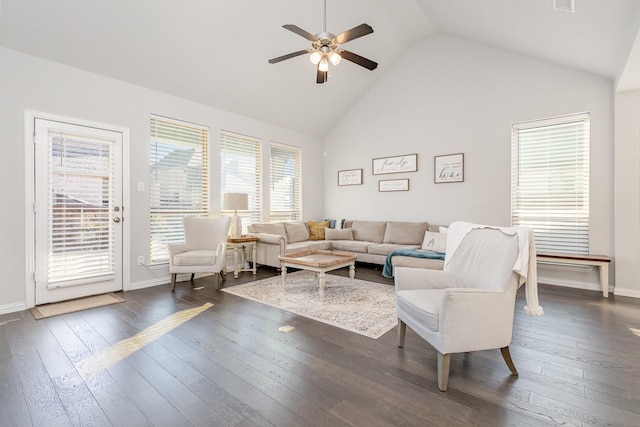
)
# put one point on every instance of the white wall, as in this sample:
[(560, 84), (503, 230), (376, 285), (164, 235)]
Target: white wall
[(32, 83), (627, 193), (447, 95)]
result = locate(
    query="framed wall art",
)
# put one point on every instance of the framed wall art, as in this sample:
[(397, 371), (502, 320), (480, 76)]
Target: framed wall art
[(396, 164), (350, 177), (385, 185), (448, 168)]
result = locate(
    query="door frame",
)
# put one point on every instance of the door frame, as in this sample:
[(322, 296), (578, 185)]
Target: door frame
[(29, 183)]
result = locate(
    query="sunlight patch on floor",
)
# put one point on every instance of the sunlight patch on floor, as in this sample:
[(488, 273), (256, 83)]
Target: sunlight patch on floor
[(124, 348)]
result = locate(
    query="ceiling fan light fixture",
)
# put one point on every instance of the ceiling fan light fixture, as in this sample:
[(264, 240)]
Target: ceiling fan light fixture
[(334, 57), (323, 65), (315, 57)]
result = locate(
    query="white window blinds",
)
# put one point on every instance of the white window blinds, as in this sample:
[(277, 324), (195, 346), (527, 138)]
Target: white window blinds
[(285, 183), (179, 181), (550, 182), (81, 188), (241, 172)]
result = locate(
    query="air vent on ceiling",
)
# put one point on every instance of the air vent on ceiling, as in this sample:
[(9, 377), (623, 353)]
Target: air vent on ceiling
[(565, 5)]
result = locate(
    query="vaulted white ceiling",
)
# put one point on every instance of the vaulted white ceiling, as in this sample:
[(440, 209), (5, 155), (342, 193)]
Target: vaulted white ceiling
[(215, 51)]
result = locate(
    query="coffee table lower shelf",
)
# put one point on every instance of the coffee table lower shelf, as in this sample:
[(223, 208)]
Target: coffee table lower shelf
[(319, 262)]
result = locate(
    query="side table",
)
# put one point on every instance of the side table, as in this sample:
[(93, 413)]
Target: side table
[(242, 245)]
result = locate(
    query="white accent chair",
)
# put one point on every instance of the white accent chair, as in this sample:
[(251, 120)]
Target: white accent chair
[(468, 306), (204, 249)]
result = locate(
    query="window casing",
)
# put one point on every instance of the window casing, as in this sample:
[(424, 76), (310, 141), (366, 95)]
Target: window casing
[(241, 172), (285, 183), (179, 181), (550, 181)]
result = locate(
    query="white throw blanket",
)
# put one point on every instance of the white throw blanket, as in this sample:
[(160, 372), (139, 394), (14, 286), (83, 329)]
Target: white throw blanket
[(525, 265)]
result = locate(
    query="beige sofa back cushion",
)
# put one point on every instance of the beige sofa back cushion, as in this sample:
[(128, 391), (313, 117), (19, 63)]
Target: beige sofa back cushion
[(268, 228), (296, 232), (405, 233), (369, 231)]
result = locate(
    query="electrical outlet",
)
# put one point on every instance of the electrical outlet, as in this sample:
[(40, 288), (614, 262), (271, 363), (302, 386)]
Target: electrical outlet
[(141, 260)]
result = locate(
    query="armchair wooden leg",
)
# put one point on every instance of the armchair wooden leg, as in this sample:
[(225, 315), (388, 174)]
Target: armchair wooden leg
[(444, 360), (173, 282), (402, 330), (506, 355)]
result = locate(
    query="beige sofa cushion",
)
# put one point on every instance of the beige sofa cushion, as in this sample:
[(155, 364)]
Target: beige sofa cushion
[(268, 228), (405, 233), (385, 248), (350, 246), (369, 231), (308, 245), (338, 234), (296, 231)]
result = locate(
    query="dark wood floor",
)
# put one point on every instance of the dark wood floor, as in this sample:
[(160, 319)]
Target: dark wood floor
[(579, 365)]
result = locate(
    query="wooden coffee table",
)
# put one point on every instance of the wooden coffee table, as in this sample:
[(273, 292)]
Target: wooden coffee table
[(320, 262)]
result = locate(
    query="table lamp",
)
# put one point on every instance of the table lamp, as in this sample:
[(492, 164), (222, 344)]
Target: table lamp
[(233, 202)]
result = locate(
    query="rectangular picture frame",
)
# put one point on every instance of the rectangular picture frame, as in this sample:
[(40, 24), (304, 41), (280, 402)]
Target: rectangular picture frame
[(448, 168), (395, 164), (387, 185), (350, 177)]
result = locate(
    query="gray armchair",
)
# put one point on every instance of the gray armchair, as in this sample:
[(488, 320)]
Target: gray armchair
[(204, 249), (469, 305)]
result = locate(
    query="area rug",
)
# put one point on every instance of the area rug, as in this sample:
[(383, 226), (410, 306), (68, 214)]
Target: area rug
[(56, 309), (366, 308)]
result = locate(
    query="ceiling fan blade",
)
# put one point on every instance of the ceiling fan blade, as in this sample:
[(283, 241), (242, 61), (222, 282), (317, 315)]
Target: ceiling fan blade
[(354, 33), (288, 56), (299, 31), (321, 76), (357, 59)]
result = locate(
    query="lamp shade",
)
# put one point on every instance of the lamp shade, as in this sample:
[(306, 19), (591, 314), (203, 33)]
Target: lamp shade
[(235, 201)]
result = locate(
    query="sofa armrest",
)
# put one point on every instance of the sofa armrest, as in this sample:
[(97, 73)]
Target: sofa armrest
[(274, 239)]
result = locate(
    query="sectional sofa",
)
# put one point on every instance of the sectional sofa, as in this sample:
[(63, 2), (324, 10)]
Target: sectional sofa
[(370, 241)]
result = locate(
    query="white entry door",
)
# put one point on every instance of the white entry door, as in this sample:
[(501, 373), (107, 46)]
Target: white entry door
[(78, 211)]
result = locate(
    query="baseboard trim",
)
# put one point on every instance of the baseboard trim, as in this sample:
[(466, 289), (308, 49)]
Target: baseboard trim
[(164, 281), (633, 293), (12, 308), (574, 284)]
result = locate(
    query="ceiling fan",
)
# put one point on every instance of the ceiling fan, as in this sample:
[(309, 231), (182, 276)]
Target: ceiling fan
[(325, 48)]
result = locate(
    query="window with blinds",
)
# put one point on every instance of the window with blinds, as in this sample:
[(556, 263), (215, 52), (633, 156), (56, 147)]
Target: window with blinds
[(550, 182), (241, 172), (179, 182), (285, 183)]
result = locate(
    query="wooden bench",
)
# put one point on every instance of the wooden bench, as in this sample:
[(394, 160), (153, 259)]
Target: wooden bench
[(601, 261)]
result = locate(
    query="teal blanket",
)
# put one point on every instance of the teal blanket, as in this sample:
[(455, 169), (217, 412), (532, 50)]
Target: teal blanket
[(387, 270)]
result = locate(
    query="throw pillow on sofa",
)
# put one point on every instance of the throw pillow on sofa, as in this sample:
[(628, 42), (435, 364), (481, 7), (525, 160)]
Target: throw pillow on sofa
[(336, 223), (296, 231), (435, 242), (316, 229), (338, 234)]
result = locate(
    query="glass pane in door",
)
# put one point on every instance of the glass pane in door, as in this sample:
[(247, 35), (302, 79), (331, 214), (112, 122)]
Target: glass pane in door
[(80, 181)]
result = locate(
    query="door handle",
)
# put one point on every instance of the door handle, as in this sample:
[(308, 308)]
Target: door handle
[(116, 219)]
